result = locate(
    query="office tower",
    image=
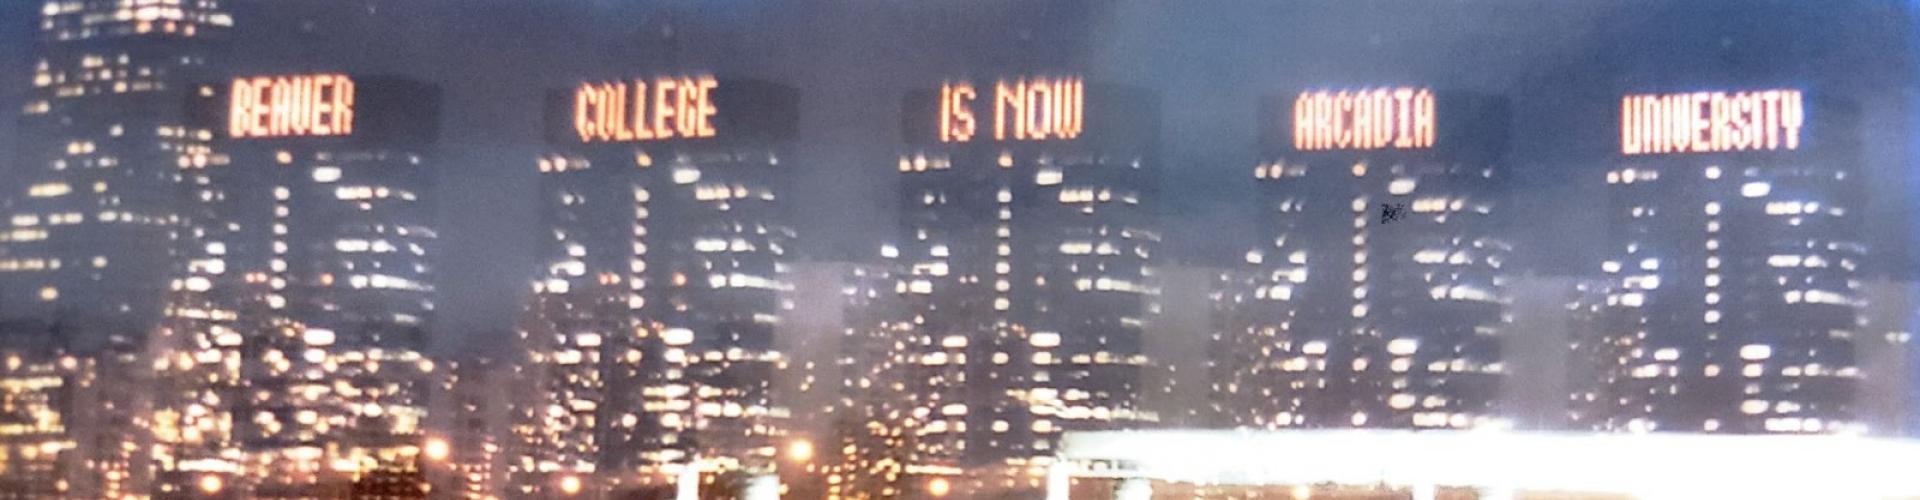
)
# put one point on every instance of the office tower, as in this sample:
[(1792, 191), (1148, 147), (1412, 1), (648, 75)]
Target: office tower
[(1243, 389), (653, 324), (1885, 351), (37, 422), (1180, 330), (298, 365), (1593, 357), (847, 340), (556, 426), (91, 234), (1734, 238), (1027, 234), (1379, 268), (1539, 346), (93, 229), (469, 433), (47, 401)]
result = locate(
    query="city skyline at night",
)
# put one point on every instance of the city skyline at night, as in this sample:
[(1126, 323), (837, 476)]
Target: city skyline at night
[(515, 249)]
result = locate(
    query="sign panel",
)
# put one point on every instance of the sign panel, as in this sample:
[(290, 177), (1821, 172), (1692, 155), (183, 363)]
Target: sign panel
[(1711, 122), (1022, 109), (325, 107), (672, 109), (1364, 119), (290, 106), (645, 110), (1385, 121)]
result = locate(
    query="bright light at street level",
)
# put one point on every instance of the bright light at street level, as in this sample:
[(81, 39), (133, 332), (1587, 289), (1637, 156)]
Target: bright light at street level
[(211, 484), (800, 451), (437, 449), (570, 485), (939, 487)]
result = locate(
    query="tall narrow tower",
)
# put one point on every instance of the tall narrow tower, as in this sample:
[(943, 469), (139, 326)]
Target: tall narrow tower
[(666, 234), (1028, 234), (94, 228), (1735, 255), (1379, 286)]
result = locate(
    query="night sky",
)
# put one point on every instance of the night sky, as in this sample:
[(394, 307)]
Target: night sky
[(1562, 63)]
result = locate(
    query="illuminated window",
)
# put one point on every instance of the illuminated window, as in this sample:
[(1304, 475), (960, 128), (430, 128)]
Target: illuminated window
[(1401, 186)]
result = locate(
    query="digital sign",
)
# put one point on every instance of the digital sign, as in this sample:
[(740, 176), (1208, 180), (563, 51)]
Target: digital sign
[(645, 110), (1364, 119), (1022, 109), (319, 105), (1711, 122)]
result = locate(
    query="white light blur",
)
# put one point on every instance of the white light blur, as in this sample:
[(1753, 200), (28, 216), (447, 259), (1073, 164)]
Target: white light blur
[(1642, 465)]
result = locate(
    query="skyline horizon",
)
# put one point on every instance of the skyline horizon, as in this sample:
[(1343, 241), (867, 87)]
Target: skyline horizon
[(1544, 169)]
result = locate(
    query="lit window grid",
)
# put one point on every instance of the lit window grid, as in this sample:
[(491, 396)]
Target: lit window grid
[(1043, 205), (1441, 247), (1774, 251), (686, 295)]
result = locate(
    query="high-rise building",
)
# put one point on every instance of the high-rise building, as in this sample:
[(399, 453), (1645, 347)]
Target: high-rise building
[(1885, 350), (652, 326), (1734, 257), (1379, 271), (556, 427), (1592, 357), (848, 343), (1547, 355), (1027, 235), (297, 363), (1181, 327), (46, 398), (469, 431), (1244, 388), (93, 232)]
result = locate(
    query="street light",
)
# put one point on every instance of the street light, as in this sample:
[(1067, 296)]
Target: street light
[(939, 487), (211, 484), (800, 451), (437, 449), (570, 485)]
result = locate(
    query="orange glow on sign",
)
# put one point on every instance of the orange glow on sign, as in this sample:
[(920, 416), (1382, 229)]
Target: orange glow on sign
[(1379, 118), (956, 119), (628, 111), (291, 106), (1024, 109), (1708, 122)]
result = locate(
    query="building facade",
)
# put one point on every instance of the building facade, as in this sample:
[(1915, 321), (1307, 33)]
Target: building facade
[(849, 346), (1027, 235), (652, 327), (470, 435), (1379, 285), (1735, 255), (94, 231), (1885, 352), (297, 355)]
